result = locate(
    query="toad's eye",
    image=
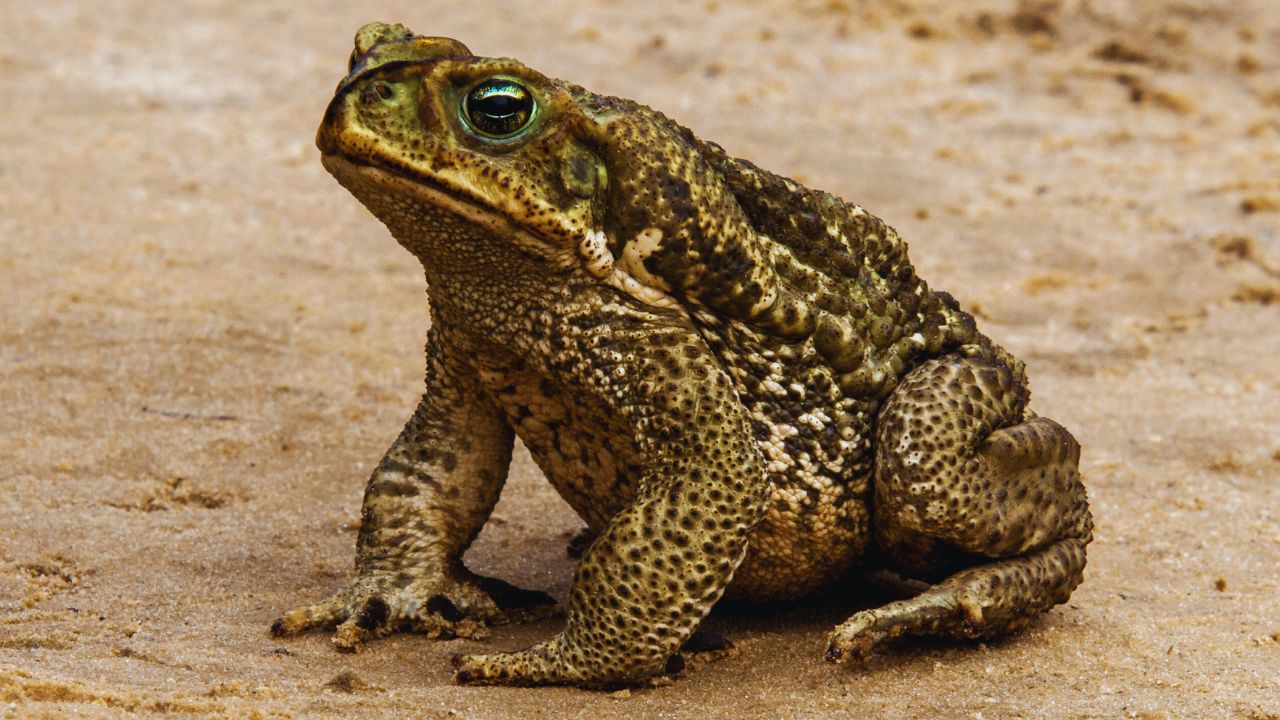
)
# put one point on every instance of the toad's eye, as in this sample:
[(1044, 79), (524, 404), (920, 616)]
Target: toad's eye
[(498, 108)]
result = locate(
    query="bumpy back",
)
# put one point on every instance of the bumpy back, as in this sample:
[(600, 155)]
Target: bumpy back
[(871, 315)]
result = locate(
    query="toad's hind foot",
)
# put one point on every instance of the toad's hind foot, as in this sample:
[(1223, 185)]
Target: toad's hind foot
[(983, 601), (373, 606)]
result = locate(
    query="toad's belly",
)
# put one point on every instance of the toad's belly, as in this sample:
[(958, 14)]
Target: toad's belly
[(813, 530), (805, 540)]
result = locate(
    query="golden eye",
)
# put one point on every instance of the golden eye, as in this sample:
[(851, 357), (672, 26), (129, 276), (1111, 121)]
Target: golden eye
[(499, 108)]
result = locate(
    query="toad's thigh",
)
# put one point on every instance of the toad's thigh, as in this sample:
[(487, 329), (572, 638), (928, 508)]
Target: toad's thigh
[(963, 470)]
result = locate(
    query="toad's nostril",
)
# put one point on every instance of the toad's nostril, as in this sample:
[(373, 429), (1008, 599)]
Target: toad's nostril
[(378, 91)]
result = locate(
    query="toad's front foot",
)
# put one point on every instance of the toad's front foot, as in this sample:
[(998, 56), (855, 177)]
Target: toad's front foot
[(556, 662), (550, 663), (458, 604), (539, 665)]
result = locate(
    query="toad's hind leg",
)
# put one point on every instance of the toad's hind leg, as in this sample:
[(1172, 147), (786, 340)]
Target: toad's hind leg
[(971, 488)]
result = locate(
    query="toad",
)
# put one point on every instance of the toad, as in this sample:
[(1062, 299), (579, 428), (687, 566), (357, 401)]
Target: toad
[(739, 383)]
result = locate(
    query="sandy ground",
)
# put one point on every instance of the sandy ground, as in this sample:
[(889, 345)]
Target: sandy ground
[(205, 344)]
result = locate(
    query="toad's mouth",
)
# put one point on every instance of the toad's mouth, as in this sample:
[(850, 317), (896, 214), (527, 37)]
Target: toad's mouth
[(357, 175)]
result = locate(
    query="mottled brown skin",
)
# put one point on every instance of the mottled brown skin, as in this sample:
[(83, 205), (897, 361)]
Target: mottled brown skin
[(739, 384)]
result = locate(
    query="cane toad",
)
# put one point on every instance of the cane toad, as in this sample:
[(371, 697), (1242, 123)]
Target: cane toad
[(739, 384)]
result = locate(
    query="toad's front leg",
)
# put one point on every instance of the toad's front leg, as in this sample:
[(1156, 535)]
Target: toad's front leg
[(424, 504), (655, 571)]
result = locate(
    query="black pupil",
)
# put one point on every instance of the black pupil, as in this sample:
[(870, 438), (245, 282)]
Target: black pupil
[(499, 107)]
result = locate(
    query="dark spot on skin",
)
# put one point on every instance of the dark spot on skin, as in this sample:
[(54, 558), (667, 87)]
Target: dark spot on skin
[(373, 615), (442, 606), (399, 489), (448, 461)]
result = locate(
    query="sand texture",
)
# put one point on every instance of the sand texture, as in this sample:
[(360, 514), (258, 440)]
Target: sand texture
[(206, 343)]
